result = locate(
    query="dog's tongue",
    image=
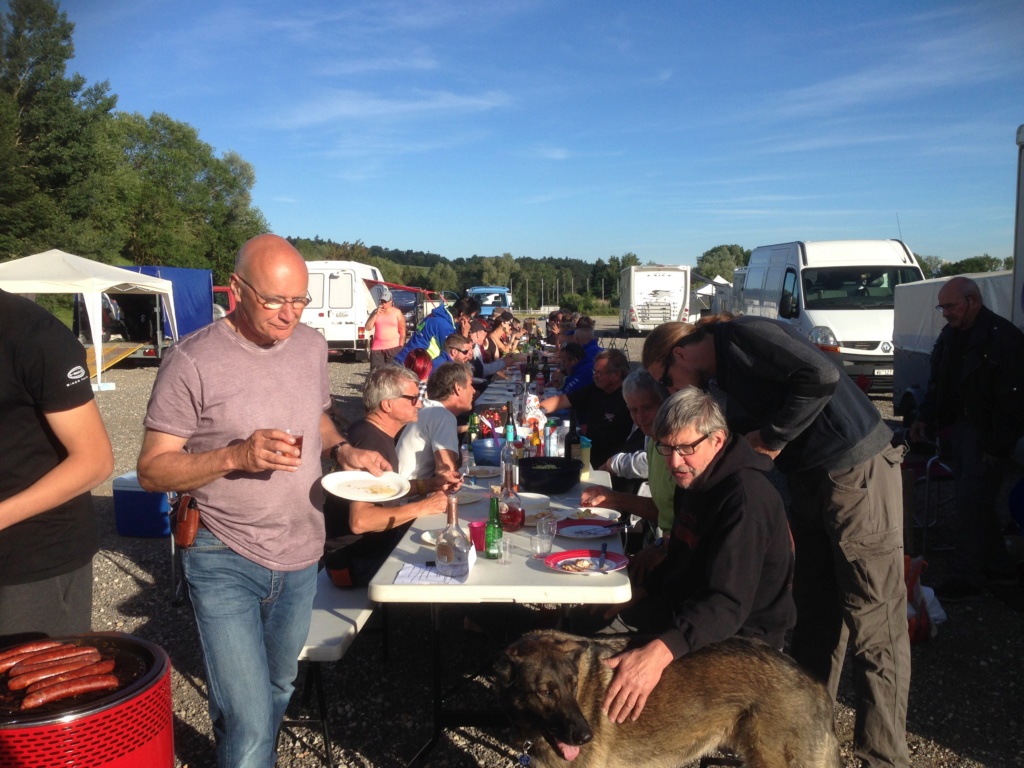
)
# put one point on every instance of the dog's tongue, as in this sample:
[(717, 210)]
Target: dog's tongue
[(569, 752)]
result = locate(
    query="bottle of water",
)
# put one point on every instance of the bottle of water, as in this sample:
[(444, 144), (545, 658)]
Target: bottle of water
[(451, 553)]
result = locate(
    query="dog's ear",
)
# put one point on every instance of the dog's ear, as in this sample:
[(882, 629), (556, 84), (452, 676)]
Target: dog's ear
[(506, 666)]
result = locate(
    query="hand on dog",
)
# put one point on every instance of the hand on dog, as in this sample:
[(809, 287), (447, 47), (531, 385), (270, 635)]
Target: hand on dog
[(637, 672)]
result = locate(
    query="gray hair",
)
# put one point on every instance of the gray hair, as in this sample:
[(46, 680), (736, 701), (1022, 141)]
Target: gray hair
[(689, 407), (442, 382), (617, 360), (385, 383), (640, 382)]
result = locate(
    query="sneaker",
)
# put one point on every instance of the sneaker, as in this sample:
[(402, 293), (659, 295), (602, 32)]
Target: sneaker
[(957, 591)]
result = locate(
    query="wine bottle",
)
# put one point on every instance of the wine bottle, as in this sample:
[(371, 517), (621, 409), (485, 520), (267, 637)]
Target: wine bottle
[(451, 553), (510, 506), (493, 532)]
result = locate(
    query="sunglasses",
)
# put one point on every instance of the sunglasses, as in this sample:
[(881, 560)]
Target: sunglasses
[(414, 399)]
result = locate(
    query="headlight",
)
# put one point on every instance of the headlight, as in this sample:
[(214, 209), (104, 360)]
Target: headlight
[(823, 336)]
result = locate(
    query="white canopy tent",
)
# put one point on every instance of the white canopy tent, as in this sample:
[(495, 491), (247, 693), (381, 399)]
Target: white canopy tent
[(54, 271)]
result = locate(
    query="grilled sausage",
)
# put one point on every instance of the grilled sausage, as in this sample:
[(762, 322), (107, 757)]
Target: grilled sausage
[(25, 668), (63, 653), (97, 668), (51, 669), (11, 657), (67, 689)]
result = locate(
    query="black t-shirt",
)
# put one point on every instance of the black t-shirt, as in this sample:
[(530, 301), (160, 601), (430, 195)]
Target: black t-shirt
[(42, 370), (607, 419), (362, 556)]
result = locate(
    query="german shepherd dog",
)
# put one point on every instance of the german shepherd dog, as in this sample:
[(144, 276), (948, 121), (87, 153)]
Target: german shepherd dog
[(738, 695)]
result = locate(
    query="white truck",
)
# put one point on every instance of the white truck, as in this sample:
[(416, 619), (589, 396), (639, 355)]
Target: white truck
[(837, 293), (652, 295), (341, 302)]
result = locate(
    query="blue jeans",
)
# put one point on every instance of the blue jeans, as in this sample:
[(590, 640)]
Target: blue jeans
[(252, 625)]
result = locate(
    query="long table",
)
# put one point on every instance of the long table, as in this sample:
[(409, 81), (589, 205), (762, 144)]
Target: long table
[(525, 580)]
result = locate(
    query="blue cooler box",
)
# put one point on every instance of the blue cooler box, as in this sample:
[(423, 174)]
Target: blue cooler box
[(139, 512)]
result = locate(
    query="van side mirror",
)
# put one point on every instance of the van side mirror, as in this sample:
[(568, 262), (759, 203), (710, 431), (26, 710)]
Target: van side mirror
[(788, 307)]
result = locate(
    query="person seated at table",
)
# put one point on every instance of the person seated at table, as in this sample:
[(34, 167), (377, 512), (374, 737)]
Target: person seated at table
[(576, 372), (503, 338), (730, 559), (483, 367), (361, 534), (554, 324), (599, 405), (418, 361), (457, 349), (439, 325), (429, 446), (583, 334)]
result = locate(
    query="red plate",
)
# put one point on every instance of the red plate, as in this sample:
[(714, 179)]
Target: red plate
[(575, 558)]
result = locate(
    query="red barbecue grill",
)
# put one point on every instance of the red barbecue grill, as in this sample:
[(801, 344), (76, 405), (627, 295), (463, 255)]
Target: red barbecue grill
[(130, 727)]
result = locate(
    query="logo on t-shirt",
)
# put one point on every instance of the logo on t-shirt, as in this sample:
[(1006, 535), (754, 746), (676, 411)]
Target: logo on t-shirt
[(76, 373)]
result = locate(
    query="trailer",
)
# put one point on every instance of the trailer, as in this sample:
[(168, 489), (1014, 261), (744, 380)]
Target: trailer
[(652, 295)]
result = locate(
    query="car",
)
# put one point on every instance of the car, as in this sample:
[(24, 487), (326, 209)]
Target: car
[(407, 303)]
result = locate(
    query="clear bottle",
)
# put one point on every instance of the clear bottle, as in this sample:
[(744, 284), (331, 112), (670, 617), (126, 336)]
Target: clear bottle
[(451, 553), (493, 532), (508, 450), (510, 506)]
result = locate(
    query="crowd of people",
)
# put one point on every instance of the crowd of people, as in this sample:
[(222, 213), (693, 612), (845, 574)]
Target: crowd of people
[(690, 437)]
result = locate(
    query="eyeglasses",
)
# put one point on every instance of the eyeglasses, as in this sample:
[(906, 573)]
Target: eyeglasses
[(683, 449), (666, 379), (602, 371), (947, 307), (275, 302), (414, 399)]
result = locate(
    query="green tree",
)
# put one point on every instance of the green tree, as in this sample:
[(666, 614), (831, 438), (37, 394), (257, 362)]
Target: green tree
[(51, 134), (722, 260), (983, 263), (930, 265)]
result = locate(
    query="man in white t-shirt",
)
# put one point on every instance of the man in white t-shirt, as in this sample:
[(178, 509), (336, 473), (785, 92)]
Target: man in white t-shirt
[(430, 446)]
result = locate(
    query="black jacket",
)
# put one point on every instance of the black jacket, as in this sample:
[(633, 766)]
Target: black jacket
[(987, 389), (801, 401), (729, 568)]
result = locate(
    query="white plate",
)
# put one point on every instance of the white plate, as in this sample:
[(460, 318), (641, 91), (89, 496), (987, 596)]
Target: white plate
[(589, 513), (531, 517), (469, 494), (482, 471), (585, 529), (430, 537), (362, 486)]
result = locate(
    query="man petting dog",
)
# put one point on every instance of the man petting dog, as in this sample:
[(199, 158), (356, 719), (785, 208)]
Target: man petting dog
[(729, 566)]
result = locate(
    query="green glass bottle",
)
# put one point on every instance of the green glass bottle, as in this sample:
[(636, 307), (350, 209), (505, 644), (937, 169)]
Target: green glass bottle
[(493, 532)]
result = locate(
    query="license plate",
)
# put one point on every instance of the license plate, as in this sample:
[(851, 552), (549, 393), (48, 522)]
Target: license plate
[(883, 371)]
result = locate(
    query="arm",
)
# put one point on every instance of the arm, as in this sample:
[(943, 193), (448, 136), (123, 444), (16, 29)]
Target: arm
[(89, 462), (371, 320), (554, 403), (641, 506), (628, 465), (366, 517), (338, 449)]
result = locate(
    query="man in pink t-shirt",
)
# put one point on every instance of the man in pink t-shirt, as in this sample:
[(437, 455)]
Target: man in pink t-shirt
[(388, 325)]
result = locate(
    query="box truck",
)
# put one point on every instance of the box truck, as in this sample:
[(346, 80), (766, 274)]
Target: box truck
[(652, 295), (838, 293), (341, 302)]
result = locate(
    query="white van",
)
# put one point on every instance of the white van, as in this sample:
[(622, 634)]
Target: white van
[(838, 293), (341, 303), (650, 296)]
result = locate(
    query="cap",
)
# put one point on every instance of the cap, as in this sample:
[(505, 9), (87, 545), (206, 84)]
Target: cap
[(385, 295), (477, 326)]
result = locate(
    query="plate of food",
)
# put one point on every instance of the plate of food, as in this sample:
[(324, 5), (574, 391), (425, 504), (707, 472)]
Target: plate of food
[(585, 561), (362, 486), (594, 528), (592, 513), (430, 537), (540, 514), (482, 471)]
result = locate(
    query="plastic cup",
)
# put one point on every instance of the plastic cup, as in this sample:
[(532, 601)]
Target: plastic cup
[(541, 545), (547, 526), (297, 434), (478, 534), (506, 551)]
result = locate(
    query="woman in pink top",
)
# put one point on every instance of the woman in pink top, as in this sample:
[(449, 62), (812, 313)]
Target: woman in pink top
[(388, 325)]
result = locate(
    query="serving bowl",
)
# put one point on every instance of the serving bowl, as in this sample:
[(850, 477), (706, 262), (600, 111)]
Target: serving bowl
[(549, 474), (487, 451)]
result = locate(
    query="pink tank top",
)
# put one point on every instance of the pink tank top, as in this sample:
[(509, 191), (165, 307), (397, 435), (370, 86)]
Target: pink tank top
[(385, 331)]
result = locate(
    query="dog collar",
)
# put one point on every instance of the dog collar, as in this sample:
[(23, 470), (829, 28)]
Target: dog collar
[(524, 758)]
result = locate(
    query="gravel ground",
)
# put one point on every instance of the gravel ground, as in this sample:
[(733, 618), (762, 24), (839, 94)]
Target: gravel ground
[(965, 701)]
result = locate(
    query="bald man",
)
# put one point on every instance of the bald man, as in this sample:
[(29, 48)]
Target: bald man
[(221, 424), (976, 392)]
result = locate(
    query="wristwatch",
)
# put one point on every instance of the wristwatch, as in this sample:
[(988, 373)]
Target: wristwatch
[(334, 451)]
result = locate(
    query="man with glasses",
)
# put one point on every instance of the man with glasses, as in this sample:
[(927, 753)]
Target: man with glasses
[(216, 427), (729, 564), (361, 534), (457, 349), (976, 392), (798, 407)]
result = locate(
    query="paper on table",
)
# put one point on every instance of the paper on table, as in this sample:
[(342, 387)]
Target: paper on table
[(414, 573)]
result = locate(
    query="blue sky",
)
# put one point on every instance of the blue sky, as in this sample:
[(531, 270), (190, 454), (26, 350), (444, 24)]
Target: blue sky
[(586, 130)]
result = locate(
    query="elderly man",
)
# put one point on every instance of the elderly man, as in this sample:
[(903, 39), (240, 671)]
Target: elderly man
[(361, 534), (600, 406), (846, 492), (976, 390), (216, 427), (53, 451), (729, 564), (430, 447)]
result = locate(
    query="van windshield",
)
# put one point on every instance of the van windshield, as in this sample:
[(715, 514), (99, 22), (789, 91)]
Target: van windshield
[(489, 299), (855, 287)]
